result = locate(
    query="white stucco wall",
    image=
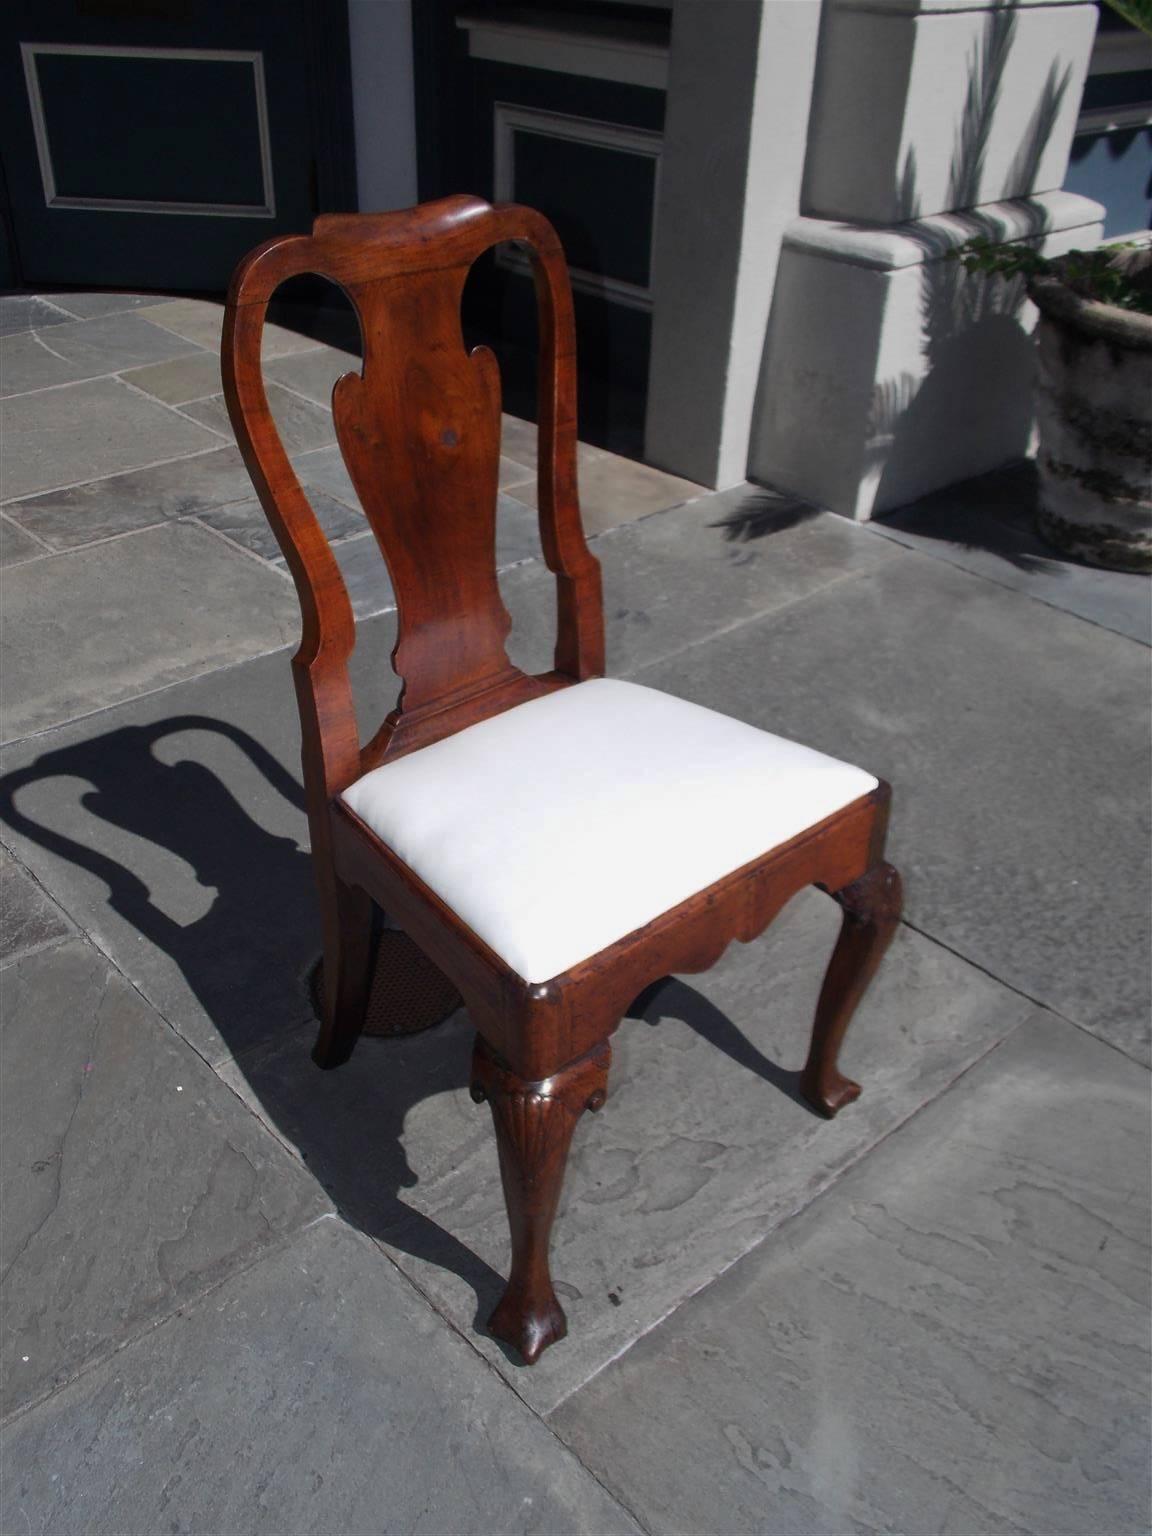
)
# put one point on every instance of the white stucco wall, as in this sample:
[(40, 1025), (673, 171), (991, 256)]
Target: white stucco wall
[(890, 372), (887, 371), (919, 112), (383, 103), (739, 90)]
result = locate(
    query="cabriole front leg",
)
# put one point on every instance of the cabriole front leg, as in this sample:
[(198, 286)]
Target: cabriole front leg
[(534, 1124), (871, 907)]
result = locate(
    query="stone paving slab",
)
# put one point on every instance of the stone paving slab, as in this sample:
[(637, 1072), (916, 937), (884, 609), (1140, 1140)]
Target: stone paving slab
[(133, 1179), (1016, 739), (200, 321), (673, 581), (199, 486), (192, 377), (953, 1339), (324, 467), (28, 311), (314, 374), (83, 349), (90, 306), (614, 490), (702, 1149), (302, 425), (986, 526), (315, 1393), (88, 629), (113, 342), (364, 572), (29, 918), (16, 546), (245, 524), (141, 498), (59, 437), (26, 363), (513, 473), (519, 440), (517, 535)]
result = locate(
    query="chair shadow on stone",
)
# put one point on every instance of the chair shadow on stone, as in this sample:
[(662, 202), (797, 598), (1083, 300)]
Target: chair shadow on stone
[(673, 998), (245, 957)]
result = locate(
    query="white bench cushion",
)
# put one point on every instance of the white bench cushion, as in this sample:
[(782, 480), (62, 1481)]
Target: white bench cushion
[(558, 827)]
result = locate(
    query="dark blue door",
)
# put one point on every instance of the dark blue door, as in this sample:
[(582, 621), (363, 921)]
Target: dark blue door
[(150, 143)]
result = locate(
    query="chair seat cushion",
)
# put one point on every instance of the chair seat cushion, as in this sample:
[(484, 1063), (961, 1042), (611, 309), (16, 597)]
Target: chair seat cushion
[(560, 826)]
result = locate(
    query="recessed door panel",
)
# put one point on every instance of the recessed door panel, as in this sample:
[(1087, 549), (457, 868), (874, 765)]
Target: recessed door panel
[(152, 146)]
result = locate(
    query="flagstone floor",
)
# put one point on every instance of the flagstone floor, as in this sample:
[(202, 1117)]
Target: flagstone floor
[(244, 1296)]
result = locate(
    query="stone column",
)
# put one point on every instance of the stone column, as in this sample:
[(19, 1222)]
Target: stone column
[(383, 103), (887, 372), (739, 91)]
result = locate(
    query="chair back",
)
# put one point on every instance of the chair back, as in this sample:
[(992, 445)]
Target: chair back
[(419, 430)]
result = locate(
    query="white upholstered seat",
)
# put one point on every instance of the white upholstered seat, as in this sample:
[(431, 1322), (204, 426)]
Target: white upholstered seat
[(558, 827)]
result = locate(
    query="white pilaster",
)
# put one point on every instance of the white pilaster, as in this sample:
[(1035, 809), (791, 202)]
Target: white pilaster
[(887, 372), (739, 91), (921, 109), (383, 103)]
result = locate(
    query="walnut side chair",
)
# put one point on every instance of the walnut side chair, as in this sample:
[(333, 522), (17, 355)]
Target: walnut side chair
[(554, 843)]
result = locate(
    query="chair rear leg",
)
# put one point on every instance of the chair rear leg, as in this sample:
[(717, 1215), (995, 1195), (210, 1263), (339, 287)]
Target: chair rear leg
[(346, 918), (871, 907), (534, 1124)]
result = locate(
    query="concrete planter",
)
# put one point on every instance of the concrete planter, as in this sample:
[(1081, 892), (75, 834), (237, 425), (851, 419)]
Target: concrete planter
[(1094, 413)]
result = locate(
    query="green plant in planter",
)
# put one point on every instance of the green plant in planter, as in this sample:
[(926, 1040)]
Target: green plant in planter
[(1094, 394), (1094, 274), (1094, 384)]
